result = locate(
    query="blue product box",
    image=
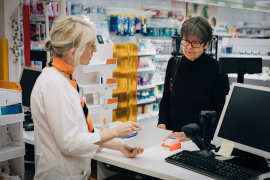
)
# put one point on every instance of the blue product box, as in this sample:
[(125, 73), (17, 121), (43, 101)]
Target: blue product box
[(14, 109)]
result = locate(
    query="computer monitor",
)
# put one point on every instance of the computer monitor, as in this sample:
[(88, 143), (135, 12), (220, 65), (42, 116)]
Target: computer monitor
[(245, 119), (27, 81)]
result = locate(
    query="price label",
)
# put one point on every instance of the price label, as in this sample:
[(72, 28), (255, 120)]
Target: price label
[(112, 85)]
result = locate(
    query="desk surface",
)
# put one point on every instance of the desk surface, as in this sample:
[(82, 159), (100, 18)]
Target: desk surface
[(152, 163)]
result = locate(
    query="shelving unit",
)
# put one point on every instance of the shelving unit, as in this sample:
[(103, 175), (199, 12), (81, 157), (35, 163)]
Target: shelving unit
[(146, 53), (101, 63), (163, 56), (144, 101), (102, 66), (29, 137), (153, 68), (146, 87), (12, 148), (91, 86), (142, 117), (158, 96)]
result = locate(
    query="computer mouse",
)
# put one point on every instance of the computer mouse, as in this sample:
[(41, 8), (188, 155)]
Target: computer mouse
[(29, 127)]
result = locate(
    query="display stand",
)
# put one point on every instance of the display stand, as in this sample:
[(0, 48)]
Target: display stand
[(12, 148)]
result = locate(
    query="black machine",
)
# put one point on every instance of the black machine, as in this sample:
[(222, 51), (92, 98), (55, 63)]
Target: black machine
[(27, 82), (241, 66), (246, 112)]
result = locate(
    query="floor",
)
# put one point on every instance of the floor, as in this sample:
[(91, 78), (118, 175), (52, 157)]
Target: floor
[(30, 168)]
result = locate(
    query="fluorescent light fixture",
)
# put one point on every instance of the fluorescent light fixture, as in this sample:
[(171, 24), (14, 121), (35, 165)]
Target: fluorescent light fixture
[(196, 2)]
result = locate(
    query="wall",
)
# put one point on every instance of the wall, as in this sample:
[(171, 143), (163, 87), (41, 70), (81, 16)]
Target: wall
[(7, 8), (230, 16)]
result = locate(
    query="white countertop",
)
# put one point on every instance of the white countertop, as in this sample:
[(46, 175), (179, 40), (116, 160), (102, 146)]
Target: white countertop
[(152, 163)]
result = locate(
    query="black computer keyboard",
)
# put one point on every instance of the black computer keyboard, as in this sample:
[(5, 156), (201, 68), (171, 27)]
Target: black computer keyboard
[(211, 167)]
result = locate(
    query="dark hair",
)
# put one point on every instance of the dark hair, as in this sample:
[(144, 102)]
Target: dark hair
[(198, 27)]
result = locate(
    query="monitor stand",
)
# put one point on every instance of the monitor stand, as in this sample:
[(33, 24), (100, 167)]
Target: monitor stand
[(250, 161)]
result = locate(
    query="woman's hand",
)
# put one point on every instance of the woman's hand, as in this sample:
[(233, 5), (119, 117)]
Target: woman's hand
[(131, 152), (181, 135), (162, 126), (127, 129)]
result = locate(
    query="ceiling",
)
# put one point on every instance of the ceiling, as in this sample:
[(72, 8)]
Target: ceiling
[(264, 3)]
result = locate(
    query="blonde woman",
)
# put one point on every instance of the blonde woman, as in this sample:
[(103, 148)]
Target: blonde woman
[(68, 138)]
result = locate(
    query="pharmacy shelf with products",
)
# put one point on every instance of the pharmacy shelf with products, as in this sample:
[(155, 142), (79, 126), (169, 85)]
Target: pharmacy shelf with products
[(12, 148), (248, 48), (150, 83)]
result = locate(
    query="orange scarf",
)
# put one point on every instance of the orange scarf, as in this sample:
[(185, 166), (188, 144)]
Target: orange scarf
[(65, 67)]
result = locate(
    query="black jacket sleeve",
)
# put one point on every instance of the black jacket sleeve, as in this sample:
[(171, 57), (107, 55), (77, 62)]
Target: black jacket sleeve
[(166, 98), (221, 89)]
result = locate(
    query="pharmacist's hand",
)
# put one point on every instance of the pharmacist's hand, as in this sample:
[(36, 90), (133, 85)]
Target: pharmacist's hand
[(181, 135), (127, 129), (162, 126), (131, 152)]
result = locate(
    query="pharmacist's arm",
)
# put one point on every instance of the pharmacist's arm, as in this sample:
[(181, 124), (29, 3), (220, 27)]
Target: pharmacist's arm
[(166, 98), (221, 89)]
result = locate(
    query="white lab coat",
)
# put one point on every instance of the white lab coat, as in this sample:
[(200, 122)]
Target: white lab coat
[(66, 145)]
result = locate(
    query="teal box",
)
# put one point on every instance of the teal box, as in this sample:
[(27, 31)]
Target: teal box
[(14, 109)]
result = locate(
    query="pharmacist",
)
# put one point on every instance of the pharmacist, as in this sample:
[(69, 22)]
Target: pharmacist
[(68, 139), (198, 86)]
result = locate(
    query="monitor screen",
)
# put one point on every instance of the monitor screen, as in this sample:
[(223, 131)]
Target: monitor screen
[(247, 118), (27, 82)]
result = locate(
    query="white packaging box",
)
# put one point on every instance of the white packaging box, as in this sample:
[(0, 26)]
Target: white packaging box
[(3, 98)]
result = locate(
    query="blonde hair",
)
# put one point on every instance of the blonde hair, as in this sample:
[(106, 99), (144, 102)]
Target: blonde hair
[(67, 33)]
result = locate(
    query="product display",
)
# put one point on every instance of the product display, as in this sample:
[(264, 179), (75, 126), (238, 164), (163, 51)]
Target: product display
[(163, 48), (145, 45), (144, 62), (163, 12), (5, 173), (127, 24)]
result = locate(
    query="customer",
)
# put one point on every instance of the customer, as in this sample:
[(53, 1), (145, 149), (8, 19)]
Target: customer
[(198, 86), (67, 136)]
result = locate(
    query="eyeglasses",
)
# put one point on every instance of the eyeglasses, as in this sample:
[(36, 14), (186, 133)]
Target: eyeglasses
[(94, 47), (194, 44)]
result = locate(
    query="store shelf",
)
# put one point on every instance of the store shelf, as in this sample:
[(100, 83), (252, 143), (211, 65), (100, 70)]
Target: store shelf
[(158, 96), (146, 53), (159, 83), (102, 66), (153, 68), (29, 137), (146, 86), (223, 34), (142, 117), (248, 76), (94, 109), (245, 56), (9, 152), (253, 27), (246, 35), (144, 101), (163, 56), (161, 41), (90, 86), (10, 119)]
